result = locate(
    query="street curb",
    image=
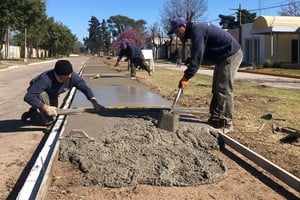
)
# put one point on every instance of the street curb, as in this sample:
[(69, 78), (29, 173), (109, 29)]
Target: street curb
[(24, 65), (272, 74)]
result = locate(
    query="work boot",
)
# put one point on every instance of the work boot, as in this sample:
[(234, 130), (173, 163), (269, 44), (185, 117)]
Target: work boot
[(220, 125), (36, 118), (49, 125), (226, 129), (215, 123), (27, 115)]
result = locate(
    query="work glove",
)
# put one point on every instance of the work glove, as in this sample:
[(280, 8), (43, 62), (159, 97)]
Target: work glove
[(183, 83), (117, 64), (51, 111), (98, 106)]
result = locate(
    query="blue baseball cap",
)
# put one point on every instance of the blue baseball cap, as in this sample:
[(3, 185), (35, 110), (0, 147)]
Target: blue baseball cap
[(176, 23), (123, 44)]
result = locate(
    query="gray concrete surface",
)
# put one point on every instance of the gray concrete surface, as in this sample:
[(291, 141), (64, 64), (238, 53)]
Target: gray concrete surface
[(129, 148)]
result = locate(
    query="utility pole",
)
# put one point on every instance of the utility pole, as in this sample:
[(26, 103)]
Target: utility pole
[(240, 23), (259, 7), (25, 46), (7, 44)]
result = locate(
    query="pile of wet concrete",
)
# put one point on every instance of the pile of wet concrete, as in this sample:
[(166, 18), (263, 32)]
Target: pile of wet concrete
[(131, 151)]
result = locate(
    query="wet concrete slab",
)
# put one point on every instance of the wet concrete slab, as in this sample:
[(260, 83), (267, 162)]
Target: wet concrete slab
[(125, 147), (121, 96)]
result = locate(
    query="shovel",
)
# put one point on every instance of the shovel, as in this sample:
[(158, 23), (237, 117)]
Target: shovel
[(168, 119), (176, 99)]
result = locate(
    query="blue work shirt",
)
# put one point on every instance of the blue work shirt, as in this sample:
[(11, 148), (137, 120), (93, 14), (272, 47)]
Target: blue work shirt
[(209, 43), (130, 52), (47, 82)]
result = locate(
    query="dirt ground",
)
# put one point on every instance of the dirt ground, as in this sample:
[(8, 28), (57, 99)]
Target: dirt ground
[(86, 171)]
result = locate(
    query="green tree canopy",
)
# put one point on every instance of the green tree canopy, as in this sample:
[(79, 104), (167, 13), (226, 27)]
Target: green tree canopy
[(16, 15), (59, 39), (93, 42), (243, 17), (117, 24)]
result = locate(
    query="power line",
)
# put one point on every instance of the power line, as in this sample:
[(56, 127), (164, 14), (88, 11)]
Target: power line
[(270, 7), (258, 9)]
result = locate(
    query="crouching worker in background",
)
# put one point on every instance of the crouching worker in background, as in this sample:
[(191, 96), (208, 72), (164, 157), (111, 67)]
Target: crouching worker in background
[(135, 56), (44, 90)]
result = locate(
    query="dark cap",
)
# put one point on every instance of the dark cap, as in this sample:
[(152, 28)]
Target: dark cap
[(176, 23), (63, 67), (123, 44)]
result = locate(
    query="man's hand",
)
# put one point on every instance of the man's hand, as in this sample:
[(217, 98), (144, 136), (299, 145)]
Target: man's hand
[(183, 83), (117, 64), (96, 105), (51, 111)]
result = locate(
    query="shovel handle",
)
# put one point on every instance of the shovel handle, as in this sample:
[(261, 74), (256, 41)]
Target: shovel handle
[(176, 98)]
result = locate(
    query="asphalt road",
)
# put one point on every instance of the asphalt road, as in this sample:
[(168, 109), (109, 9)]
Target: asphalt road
[(18, 140)]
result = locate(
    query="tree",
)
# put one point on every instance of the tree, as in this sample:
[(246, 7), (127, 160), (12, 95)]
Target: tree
[(292, 9), (132, 36), (18, 15), (117, 24), (34, 20), (227, 21), (93, 42), (156, 37), (191, 10), (246, 16), (105, 37), (59, 39), (243, 17), (10, 17)]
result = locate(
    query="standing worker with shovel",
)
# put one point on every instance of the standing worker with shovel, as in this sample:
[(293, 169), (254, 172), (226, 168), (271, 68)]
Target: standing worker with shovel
[(211, 43), (44, 90)]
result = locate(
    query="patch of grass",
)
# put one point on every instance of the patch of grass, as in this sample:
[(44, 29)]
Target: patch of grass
[(285, 72)]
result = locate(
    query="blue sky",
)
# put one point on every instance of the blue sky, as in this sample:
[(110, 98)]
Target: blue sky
[(76, 14)]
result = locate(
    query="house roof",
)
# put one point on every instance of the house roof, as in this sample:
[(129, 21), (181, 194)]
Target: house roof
[(267, 24)]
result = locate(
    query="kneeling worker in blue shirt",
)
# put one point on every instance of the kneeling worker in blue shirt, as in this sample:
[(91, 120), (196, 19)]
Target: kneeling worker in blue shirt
[(44, 90)]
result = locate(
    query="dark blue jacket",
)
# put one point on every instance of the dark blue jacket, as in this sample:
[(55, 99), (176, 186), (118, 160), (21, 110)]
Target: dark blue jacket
[(130, 52), (209, 43), (47, 82)]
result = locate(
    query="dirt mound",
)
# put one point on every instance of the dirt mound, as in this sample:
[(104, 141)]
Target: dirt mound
[(133, 151)]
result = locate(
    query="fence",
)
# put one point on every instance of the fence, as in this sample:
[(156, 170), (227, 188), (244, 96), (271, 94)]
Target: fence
[(14, 52)]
